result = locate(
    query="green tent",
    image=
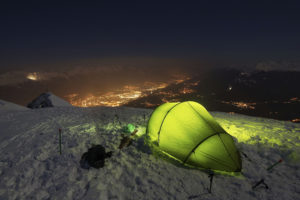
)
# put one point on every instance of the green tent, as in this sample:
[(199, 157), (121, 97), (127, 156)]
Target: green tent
[(188, 133)]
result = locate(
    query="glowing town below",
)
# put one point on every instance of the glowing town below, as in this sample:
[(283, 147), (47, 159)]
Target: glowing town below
[(121, 96), (183, 85)]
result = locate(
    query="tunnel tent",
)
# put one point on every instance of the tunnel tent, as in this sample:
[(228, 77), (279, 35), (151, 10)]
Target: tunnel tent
[(187, 132)]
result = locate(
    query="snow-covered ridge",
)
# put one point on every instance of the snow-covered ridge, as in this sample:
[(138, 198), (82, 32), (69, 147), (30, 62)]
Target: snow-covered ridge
[(31, 167), (5, 105)]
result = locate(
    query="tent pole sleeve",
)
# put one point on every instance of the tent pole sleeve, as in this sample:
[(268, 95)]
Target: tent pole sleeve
[(197, 147), (237, 164), (158, 134)]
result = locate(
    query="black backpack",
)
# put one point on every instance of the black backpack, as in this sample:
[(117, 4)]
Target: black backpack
[(95, 157)]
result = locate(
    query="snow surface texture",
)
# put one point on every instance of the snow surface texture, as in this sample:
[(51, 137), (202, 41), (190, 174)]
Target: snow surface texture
[(32, 168), (48, 100), (4, 105), (57, 102)]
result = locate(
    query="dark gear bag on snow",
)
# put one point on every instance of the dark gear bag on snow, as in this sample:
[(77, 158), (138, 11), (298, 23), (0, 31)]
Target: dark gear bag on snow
[(95, 157)]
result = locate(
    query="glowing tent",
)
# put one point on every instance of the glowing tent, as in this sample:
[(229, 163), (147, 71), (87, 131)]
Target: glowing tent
[(188, 133)]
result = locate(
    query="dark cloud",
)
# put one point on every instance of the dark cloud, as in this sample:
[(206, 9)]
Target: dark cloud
[(278, 66)]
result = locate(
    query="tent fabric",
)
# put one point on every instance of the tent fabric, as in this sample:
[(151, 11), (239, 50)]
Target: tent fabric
[(42, 101), (189, 133)]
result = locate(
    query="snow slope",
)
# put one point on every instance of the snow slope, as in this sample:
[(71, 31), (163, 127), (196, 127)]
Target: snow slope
[(57, 101), (31, 167), (5, 105)]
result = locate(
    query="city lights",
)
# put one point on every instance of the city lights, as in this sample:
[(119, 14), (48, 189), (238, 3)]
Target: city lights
[(241, 105), (34, 76), (124, 95)]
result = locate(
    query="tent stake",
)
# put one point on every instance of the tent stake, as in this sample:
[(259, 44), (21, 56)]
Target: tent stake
[(271, 167)]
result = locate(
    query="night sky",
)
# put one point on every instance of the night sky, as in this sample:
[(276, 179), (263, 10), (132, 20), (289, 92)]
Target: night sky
[(197, 32), (129, 42)]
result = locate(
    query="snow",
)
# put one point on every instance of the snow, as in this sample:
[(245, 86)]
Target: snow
[(5, 105), (32, 168), (57, 101)]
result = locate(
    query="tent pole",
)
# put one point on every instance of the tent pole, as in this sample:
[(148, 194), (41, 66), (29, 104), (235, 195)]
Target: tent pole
[(262, 181)]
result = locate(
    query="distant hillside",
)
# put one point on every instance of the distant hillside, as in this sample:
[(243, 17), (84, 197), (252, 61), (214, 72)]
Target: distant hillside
[(272, 94)]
